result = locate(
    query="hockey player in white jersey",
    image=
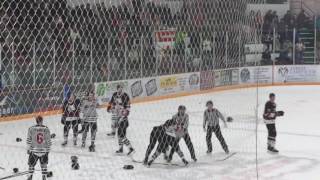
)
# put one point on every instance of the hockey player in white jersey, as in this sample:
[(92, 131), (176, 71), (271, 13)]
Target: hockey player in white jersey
[(181, 119), (167, 135), (90, 116), (38, 145), (119, 101)]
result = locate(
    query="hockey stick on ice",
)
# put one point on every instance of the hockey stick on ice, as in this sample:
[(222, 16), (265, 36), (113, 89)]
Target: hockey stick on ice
[(15, 175), (227, 157), (166, 164)]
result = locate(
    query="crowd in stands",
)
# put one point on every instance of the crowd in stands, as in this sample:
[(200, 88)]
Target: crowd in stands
[(73, 31), (122, 37), (279, 31)]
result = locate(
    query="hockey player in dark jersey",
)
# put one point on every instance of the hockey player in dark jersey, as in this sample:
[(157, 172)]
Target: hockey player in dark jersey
[(70, 118), (166, 135), (270, 114), (182, 123), (122, 133), (38, 145), (90, 116), (119, 101)]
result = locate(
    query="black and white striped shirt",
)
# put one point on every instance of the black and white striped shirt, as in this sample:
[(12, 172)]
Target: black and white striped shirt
[(211, 117), (89, 110)]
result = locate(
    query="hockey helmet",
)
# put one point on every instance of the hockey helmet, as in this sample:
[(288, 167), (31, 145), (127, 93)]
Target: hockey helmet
[(119, 86), (182, 107), (209, 103)]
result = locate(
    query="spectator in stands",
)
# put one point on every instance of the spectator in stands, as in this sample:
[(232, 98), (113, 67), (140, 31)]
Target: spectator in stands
[(268, 17), (103, 73), (288, 17), (302, 20), (207, 52), (258, 19), (285, 53), (299, 52), (267, 23), (266, 57)]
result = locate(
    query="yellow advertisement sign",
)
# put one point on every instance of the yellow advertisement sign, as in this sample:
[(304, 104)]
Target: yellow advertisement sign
[(168, 82)]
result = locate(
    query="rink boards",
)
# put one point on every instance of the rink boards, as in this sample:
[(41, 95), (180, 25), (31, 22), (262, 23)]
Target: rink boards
[(177, 85)]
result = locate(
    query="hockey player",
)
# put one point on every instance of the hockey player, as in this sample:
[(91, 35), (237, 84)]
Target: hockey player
[(182, 122), (90, 116), (70, 118), (270, 114), (166, 135), (155, 136), (38, 145), (119, 101), (211, 124), (123, 124)]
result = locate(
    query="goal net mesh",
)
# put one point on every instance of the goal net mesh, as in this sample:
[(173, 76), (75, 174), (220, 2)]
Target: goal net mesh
[(48, 47)]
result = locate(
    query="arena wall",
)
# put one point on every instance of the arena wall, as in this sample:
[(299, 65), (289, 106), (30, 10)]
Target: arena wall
[(195, 83)]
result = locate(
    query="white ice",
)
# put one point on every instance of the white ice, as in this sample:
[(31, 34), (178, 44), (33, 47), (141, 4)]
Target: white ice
[(298, 141)]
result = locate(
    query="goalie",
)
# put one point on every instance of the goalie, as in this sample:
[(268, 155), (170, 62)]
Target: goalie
[(270, 114)]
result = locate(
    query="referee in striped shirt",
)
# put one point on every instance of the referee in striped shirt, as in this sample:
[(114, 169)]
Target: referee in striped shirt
[(211, 124), (38, 144)]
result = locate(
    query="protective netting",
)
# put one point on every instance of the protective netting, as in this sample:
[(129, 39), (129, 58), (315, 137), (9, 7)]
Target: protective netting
[(45, 44), (49, 46)]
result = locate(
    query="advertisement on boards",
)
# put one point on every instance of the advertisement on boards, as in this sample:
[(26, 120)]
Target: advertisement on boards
[(226, 77), (143, 87), (207, 80), (179, 83), (250, 75), (297, 73)]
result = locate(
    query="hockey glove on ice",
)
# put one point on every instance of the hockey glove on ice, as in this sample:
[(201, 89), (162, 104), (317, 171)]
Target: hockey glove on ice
[(279, 113)]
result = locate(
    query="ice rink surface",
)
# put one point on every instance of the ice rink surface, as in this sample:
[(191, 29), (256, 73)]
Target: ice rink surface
[(298, 141)]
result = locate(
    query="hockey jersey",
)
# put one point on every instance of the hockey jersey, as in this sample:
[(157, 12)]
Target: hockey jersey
[(39, 140), (181, 121), (269, 114), (89, 110), (121, 99), (171, 129), (71, 110)]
